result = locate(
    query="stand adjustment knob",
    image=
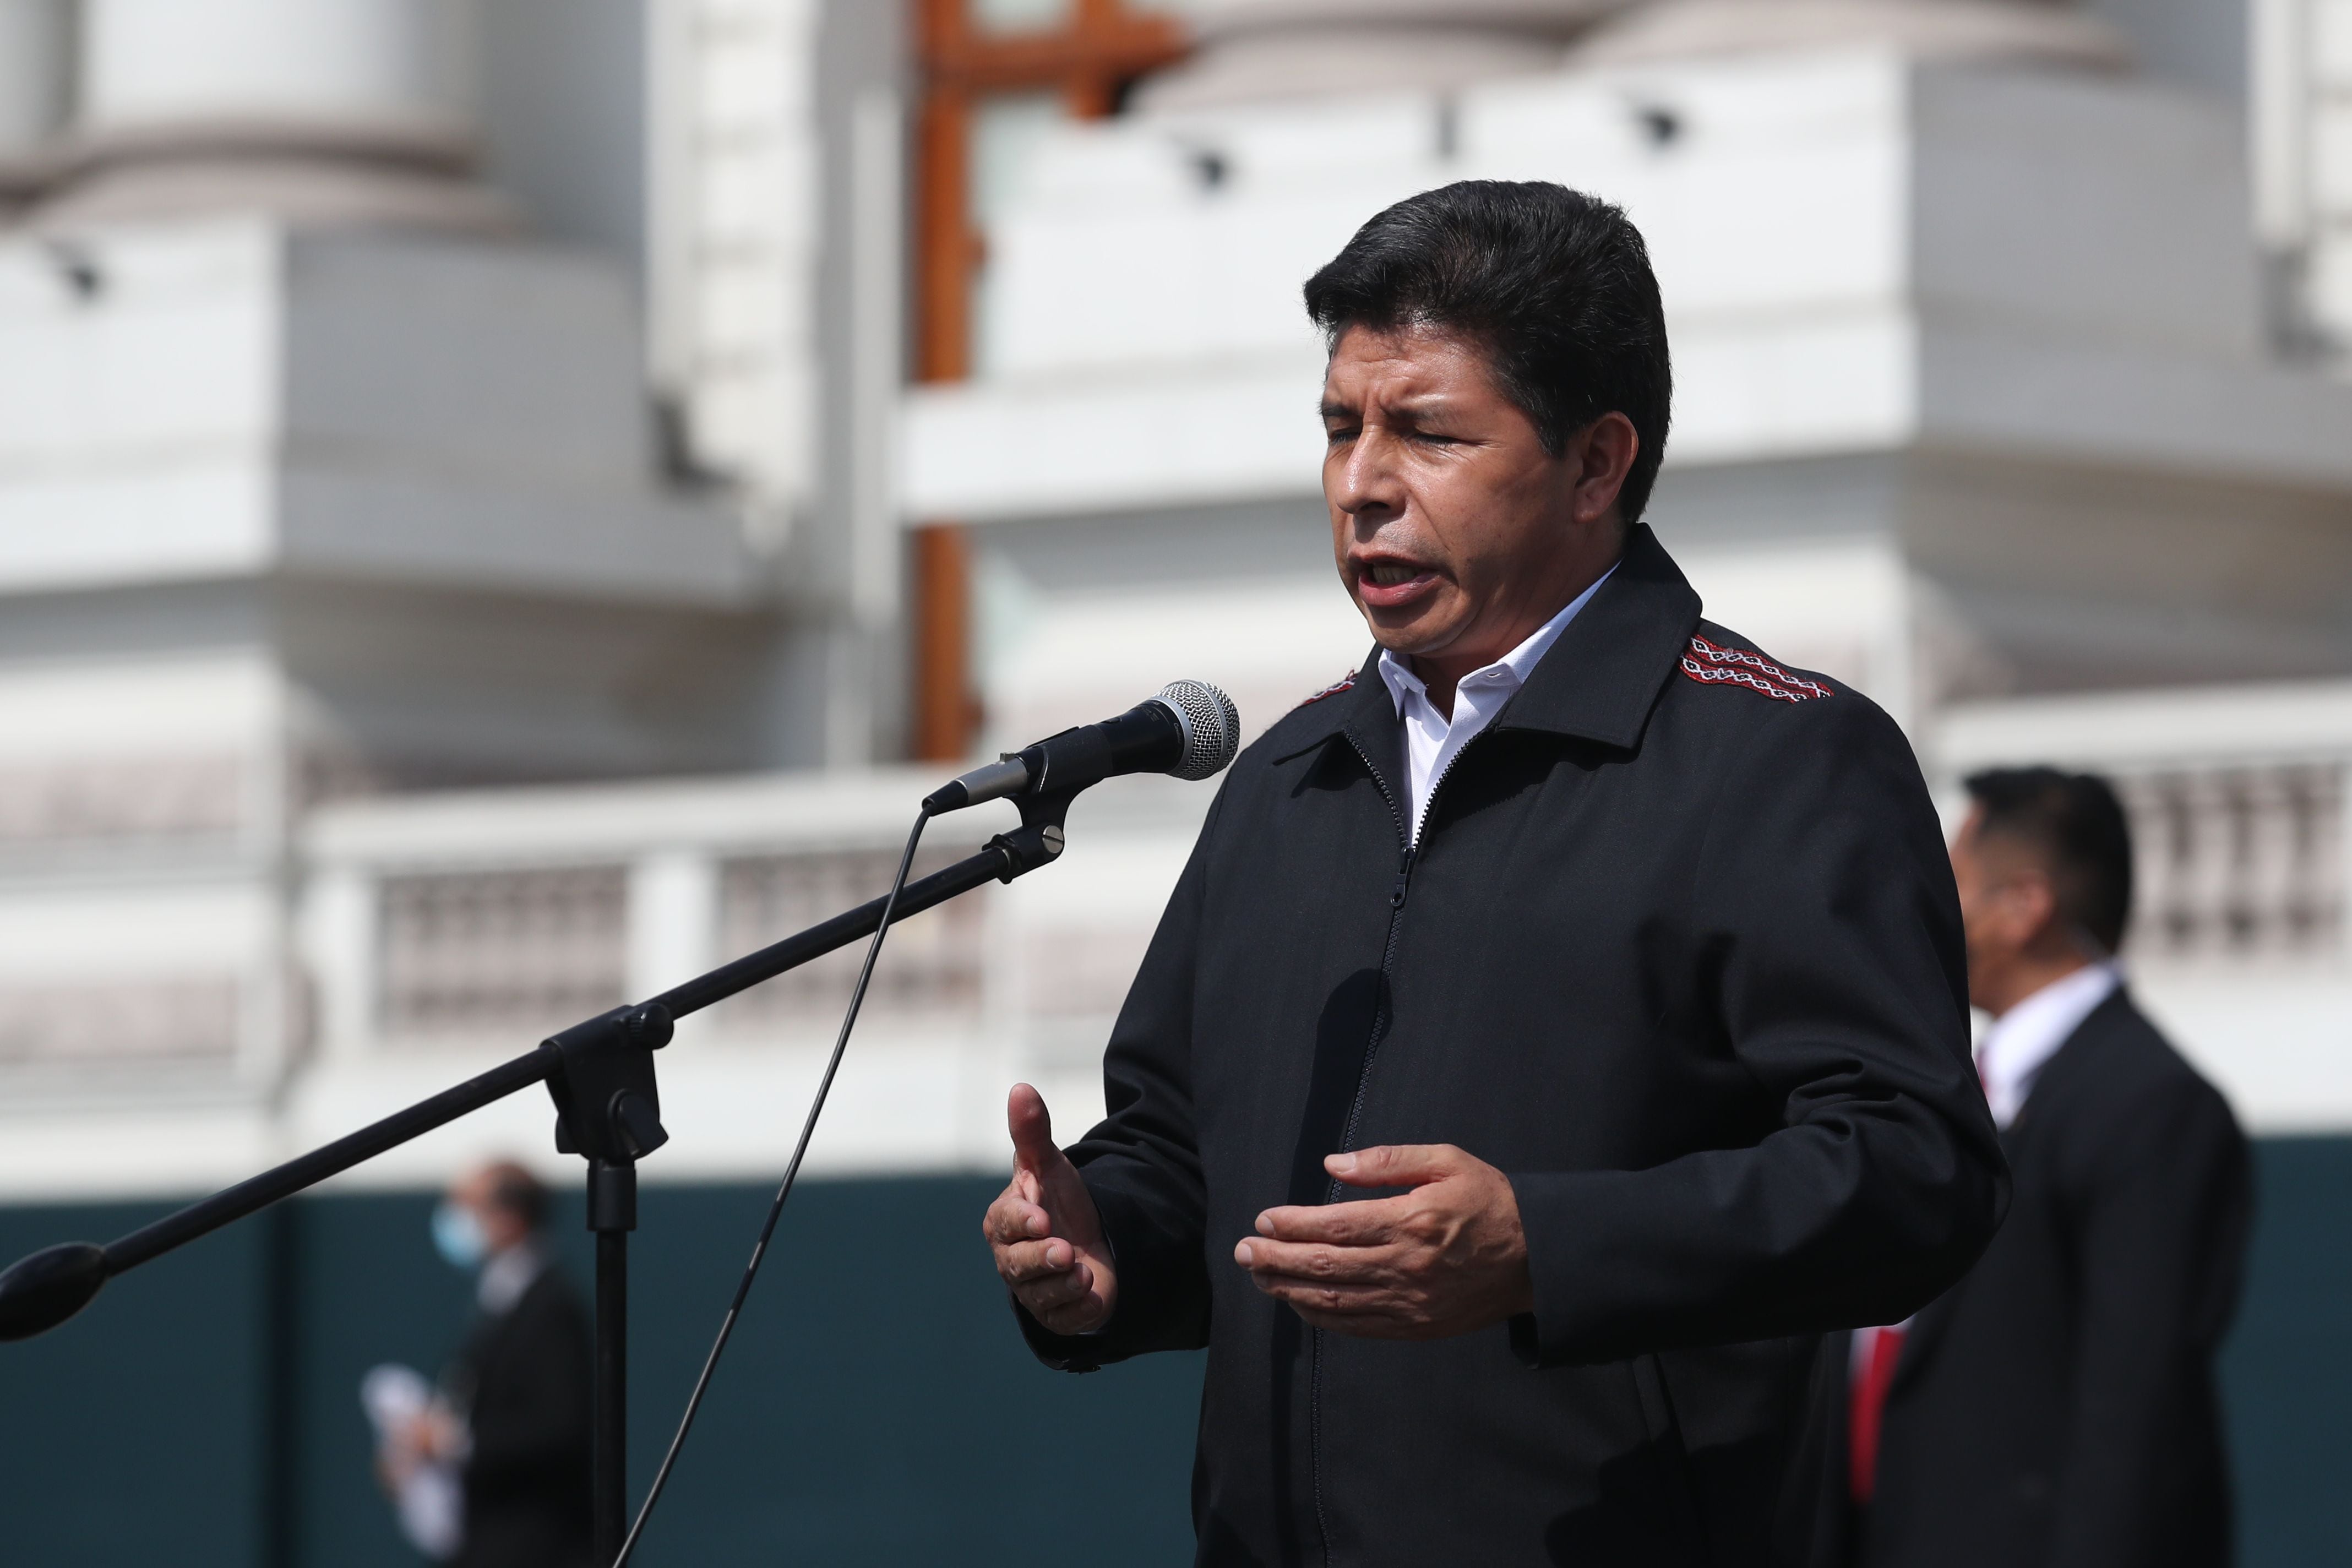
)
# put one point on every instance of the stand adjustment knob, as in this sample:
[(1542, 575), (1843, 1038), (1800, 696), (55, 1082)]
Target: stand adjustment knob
[(635, 1124)]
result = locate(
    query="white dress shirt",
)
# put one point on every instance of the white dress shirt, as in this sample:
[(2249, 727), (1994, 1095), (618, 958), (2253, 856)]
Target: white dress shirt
[(2021, 1041), (1431, 740), (507, 1275)]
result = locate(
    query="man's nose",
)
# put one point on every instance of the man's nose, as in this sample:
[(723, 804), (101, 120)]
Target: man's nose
[(1367, 479)]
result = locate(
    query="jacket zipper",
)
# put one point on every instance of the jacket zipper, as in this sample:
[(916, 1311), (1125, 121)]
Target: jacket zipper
[(1398, 891), (1397, 894)]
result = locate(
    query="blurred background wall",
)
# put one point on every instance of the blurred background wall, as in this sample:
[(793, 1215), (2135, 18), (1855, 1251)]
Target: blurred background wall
[(505, 503)]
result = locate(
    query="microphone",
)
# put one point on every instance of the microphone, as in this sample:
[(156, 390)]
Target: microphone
[(1190, 730)]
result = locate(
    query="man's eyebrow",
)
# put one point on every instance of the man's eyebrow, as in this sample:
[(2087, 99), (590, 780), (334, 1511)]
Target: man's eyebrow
[(1417, 404)]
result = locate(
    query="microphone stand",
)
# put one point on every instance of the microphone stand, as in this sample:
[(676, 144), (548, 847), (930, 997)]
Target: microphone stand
[(600, 1073)]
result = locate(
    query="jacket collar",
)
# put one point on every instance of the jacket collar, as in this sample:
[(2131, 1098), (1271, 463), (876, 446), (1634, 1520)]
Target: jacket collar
[(1602, 677), (1598, 682), (2056, 1079)]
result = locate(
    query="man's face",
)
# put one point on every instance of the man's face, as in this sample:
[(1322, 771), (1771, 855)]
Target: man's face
[(1455, 532), (501, 1227), (2006, 907)]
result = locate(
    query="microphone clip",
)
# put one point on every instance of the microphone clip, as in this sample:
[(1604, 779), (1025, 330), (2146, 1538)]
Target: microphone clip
[(607, 1107), (1039, 840)]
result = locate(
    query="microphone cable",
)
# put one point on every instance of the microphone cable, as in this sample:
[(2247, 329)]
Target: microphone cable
[(791, 1173)]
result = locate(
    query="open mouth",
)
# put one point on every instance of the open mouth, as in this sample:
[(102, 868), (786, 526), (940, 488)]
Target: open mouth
[(1388, 582)]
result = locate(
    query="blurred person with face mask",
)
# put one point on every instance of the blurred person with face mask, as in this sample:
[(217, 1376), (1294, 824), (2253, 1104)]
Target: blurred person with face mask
[(2058, 1405), (511, 1423)]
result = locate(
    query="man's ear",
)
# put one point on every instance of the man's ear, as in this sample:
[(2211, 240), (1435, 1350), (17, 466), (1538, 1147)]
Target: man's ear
[(1600, 457), (2031, 903)]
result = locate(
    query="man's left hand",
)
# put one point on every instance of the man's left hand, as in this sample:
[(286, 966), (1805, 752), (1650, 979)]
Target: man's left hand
[(1446, 1258)]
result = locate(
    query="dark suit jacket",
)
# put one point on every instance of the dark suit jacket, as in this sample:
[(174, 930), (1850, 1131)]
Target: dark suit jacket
[(1677, 951), (528, 1371), (2058, 1405)]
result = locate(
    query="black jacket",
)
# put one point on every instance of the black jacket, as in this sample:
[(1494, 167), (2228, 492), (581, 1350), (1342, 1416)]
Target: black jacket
[(2058, 1405), (524, 1377), (1679, 953)]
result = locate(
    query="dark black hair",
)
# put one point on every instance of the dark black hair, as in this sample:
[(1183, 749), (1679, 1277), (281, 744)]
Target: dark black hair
[(1555, 284), (2075, 827), (520, 1194)]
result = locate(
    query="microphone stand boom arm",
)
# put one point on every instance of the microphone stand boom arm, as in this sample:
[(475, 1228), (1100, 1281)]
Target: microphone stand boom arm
[(600, 1073)]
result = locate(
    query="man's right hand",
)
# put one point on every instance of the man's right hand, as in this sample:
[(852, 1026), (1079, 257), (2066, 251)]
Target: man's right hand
[(1044, 1231)]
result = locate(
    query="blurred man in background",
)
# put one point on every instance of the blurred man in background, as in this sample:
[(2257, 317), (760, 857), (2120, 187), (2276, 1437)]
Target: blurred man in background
[(513, 1419), (2059, 1404)]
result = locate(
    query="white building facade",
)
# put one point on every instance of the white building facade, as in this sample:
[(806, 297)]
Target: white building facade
[(359, 513), (330, 469), (467, 471)]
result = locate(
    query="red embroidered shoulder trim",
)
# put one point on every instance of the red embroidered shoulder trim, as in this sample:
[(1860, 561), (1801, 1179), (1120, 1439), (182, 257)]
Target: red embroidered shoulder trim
[(1337, 687), (1711, 664)]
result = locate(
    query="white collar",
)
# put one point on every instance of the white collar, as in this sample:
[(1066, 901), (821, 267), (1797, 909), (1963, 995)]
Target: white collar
[(507, 1275), (2020, 1042), (1510, 671)]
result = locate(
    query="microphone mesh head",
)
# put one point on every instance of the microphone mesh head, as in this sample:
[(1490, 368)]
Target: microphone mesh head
[(1213, 727)]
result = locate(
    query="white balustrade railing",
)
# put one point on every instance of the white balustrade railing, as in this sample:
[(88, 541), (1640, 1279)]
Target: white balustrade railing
[(935, 967), (517, 948), (481, 921), (472, 953), (504, 915), (434, 932), (2237, 862), (2236, 801)]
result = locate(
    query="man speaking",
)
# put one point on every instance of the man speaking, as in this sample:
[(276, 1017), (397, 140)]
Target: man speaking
[(1559, 1022)]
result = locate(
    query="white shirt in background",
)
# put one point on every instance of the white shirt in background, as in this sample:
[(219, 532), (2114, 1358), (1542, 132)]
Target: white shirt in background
[(507, 1275), (2020, 1042), (1431, 740)]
